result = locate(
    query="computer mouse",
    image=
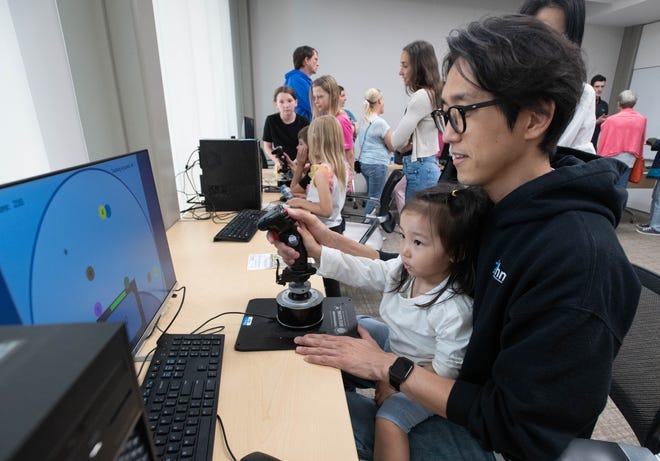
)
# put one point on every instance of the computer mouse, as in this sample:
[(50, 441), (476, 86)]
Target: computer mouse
[(258, 456)]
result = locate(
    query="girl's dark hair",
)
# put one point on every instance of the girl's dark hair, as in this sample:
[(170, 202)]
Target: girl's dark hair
[(457, 213), (285, 89), (574, 14), (425, 70)]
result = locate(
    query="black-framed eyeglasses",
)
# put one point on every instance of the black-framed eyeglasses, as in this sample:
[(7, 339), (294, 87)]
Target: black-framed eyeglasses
[(455, 115)]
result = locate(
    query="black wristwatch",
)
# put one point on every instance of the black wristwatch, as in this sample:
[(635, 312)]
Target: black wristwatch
[(399, 371)]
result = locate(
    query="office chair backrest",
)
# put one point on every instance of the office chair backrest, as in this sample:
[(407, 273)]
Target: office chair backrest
[(635, 385), (386, 199)]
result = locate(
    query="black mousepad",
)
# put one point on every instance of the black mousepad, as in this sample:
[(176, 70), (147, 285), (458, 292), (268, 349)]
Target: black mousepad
[(266, 334)]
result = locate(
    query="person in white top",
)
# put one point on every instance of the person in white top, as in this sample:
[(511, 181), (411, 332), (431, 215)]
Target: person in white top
[(426, 305), (415, 136), (567, 17)]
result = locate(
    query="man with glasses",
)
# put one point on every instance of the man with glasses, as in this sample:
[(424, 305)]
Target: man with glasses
[(554, 292)]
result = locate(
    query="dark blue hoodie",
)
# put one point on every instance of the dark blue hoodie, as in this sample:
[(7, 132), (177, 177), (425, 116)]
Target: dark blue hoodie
[(554, 297)]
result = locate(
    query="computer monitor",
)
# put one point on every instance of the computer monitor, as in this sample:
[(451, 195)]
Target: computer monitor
[(85, 244), (248, 128)]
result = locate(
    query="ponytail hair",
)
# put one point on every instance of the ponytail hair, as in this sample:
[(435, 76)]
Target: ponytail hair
[(371, 98)]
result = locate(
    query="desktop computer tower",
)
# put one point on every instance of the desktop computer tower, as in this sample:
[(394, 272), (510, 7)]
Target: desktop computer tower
[(69, 392), (231, 174)]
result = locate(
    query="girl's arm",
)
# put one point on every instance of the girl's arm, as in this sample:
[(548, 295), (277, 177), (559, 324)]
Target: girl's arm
[(350, 158), (268, 149), (387, 139), (324, 207), (301, 166), (347, 130), (418, 107)]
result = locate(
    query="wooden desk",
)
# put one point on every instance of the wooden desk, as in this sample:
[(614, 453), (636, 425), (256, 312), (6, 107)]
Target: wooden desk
[(269, 401)]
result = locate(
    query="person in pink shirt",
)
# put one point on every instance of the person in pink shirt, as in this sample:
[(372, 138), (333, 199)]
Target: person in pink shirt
[(623, 134)]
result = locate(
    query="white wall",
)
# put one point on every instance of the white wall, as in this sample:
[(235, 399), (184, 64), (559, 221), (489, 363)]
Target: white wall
[(360, 41), (645, 78), (87, 87), (23, 152), (92, 72), (46, 72)]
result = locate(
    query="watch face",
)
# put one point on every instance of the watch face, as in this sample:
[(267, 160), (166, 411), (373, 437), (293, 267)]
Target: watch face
[(399, 371), (401, 367)]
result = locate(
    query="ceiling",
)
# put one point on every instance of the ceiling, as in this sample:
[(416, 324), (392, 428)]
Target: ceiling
[(622, 13)]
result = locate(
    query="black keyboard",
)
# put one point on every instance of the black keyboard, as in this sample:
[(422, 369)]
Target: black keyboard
[(180, 393), (241, 228)]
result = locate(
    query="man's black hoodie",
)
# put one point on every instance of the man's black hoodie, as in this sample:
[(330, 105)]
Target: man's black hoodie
[(554, 297)]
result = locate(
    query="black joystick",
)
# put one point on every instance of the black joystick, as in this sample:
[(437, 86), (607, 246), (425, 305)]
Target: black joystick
[(298, 306)]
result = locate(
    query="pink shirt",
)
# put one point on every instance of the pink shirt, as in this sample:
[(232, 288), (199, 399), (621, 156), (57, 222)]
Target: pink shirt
[(347, 129), (624, 131)]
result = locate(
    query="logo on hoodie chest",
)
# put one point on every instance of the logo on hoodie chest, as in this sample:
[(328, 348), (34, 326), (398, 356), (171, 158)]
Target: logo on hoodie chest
[(498, 273)]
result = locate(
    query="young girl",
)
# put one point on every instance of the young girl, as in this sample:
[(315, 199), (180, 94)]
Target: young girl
[(326, 193), (281, 129), (426, 305), (416, 132), (374, 139), (300, 166), (325, 95)]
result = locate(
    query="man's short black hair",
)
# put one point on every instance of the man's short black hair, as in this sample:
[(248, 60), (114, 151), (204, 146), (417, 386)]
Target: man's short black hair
[(300, 54), (597, 78), (523, 63)]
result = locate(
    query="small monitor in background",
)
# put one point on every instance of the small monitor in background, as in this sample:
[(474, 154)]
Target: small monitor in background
[(248, 131), (248, 128), (86, 244), (231, 174)]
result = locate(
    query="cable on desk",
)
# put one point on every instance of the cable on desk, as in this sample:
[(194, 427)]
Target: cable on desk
[(196, 330), (183, 298), (224, 436), (212, 330), (145, 360)]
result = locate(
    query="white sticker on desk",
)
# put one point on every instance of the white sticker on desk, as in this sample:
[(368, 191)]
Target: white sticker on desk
[(262, 261)]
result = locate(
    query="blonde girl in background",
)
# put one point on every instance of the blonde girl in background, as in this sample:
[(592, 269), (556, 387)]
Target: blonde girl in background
[(325, 97), (326, 193), (375, 146)]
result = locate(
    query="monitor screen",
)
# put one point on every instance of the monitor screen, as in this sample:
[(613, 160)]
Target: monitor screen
[(248, 128), (85, 244)]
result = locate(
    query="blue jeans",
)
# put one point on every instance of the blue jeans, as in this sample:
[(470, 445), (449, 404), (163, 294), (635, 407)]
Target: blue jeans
[(655, 207), (420, 174), (623, 179), (434, 439), (376, 175)]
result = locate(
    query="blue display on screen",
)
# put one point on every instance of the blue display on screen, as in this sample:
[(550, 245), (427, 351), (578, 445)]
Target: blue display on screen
[(83, 245)]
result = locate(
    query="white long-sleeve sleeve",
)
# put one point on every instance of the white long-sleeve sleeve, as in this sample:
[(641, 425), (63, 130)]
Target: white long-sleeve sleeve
[(436, 335), (580, 129), (417, 122)]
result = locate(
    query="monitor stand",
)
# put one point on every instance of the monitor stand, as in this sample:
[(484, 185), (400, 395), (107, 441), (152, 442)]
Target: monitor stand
[(263, 334)]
